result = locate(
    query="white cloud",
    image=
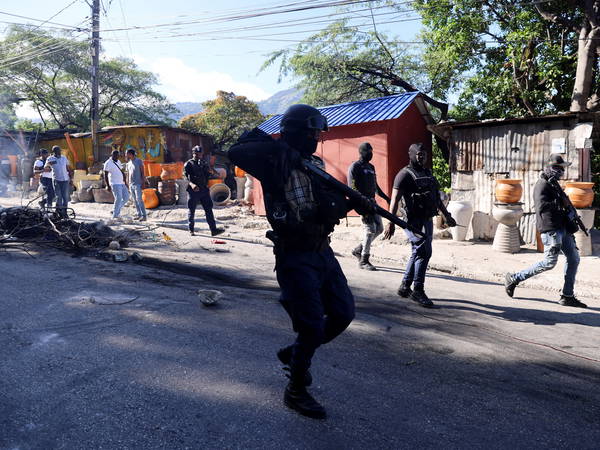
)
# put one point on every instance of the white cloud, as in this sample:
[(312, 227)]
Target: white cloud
[(183, 83)]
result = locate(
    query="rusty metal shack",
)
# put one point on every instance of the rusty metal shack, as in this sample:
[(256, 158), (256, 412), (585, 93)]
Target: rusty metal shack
[(154, 143), (483, 151)]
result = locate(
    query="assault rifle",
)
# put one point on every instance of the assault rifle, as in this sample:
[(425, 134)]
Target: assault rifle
[(572, 215), (356, 196)]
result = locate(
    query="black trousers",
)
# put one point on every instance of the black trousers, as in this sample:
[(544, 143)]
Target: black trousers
[(203, 197), (315, 294)]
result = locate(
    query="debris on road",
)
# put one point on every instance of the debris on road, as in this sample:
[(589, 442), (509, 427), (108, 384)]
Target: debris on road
[(33, 226), (209, 297)]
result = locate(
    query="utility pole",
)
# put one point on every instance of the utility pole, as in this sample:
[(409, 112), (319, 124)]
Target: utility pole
[(94, 71)]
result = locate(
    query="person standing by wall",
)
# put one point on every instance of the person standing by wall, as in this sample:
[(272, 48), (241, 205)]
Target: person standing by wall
[(61, 178), (556, 230), (362, 177), (45, 179), (115, 182), (420, 190), (136, 178), (197, 171)]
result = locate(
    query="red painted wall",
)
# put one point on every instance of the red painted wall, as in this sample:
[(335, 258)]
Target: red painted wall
[(390, 140)]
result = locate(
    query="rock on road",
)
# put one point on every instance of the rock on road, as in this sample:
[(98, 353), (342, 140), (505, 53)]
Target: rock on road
[(105, 355)]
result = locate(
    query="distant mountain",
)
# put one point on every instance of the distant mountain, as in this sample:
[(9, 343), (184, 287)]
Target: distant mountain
[(275, 104), (185, 109), (278, 102)]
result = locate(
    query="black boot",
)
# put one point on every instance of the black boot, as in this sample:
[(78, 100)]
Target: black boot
[(217, 231), (404, 290), (285, 356), (570, 300), (357, 252), (365, 264), (510, 284), (296, 397), (419, 296)]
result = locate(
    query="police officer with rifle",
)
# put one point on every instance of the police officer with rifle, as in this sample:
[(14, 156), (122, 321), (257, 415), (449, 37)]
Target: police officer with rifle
[(421, 193), (303, 204), (557, 221)]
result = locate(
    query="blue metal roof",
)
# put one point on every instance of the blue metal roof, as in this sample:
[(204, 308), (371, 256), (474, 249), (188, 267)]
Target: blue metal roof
[(372, 110)]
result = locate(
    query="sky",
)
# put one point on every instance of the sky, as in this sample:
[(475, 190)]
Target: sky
[(197, 48)]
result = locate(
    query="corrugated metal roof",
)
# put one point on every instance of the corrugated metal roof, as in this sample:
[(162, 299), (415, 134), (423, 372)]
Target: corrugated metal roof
[(372, 110)]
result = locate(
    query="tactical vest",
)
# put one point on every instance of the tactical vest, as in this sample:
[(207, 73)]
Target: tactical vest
[(424, 200)]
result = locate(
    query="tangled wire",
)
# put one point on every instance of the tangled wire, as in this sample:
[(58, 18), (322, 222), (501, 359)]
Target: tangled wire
[(31, 225)]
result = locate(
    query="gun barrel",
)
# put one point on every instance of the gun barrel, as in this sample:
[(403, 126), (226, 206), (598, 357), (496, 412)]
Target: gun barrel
[(351, 193)]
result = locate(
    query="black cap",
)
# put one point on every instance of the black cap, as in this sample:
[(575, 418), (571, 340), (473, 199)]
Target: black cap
[(197, 149), (43, 151), (556, 160)]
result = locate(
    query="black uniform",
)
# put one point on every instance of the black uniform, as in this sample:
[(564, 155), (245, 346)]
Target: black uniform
[(197, 172), (302, 212)]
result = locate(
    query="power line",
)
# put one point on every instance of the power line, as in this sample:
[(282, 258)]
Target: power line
[(59, 12), (278, 25), (70, 27), (34, 51), (126, 32), (254, 14), (255, 37), (44, 52)]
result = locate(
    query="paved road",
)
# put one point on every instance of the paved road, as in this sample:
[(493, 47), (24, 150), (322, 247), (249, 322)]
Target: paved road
[(104, 355)]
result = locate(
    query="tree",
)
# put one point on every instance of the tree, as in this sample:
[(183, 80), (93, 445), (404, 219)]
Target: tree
[(340, 64), (512, 58), (224, 118), (52, 72)]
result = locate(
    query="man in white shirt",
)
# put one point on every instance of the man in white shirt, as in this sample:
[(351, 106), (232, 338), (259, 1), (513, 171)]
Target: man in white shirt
[(45, 179), (61, 178), (115, 182)]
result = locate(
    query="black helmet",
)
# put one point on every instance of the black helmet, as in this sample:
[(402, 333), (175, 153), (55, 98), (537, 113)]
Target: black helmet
[(302, 117)]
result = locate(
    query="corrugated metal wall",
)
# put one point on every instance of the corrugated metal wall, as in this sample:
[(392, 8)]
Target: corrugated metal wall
[(481, 154)]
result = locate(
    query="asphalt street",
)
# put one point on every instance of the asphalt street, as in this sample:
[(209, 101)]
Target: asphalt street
[(106, 355)]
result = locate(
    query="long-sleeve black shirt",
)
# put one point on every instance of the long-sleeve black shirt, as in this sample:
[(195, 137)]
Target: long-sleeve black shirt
[(197, 172)]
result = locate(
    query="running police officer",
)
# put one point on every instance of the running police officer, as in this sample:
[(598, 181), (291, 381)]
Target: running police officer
[(362, 177), (420, 191), (302, 212)]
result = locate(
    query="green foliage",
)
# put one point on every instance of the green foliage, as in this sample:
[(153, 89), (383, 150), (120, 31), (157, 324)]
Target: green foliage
[(440, 168), (52, 72), (224, 118), (27, 125), (505, 59), (339, 64)]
